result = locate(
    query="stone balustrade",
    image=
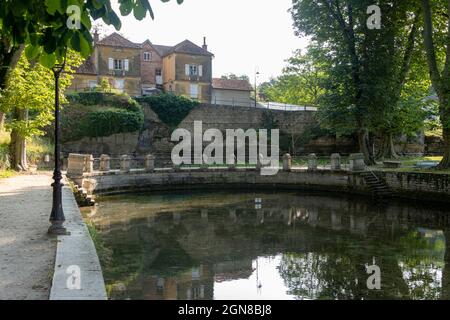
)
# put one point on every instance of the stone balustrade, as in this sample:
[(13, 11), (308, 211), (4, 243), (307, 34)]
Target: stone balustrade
[(80, 164)]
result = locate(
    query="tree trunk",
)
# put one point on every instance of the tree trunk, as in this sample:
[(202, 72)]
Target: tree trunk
[(445, 163), (445, 289), (387, 148), (18, 145), (364, 147)]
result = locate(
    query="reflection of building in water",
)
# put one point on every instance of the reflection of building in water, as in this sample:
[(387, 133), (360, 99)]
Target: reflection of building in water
[(194, 284), (220, 243)]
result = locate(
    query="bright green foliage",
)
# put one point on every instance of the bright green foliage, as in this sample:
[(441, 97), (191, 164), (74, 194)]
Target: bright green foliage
[(171, 109), (47, 27), (301, 81), (32, 88), (97, 114)]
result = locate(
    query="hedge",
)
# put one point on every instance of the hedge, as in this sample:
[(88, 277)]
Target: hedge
[(170, 108), (97, 114)]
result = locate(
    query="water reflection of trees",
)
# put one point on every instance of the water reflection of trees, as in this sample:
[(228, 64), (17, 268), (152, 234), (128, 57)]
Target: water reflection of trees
[(326, 243)]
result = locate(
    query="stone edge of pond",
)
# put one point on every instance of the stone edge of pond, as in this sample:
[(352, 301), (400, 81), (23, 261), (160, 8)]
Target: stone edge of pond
[(78, 250)]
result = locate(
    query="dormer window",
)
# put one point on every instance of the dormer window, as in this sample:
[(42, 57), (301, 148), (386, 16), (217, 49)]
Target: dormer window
[(147, 56)]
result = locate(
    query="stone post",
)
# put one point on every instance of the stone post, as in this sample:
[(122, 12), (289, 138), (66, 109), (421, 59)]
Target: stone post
[(125, 163), (105, 162), (149, 163), (312, 162), (335, 161), (75, 165), (356, 162), (287, 162), (89, 163), (231, 162), (259, 162)]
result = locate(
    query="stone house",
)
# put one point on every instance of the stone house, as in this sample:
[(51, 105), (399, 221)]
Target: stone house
[(143, 68), (231, 92)]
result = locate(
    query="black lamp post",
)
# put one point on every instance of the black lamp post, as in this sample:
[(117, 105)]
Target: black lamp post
[(256, 76), (57, 216)]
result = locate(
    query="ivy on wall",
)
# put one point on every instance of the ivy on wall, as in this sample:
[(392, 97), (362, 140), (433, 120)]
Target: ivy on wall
[(171, 109), (99, 114)]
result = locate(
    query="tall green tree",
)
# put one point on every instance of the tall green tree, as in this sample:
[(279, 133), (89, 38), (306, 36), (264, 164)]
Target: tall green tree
[(368, 65), (29, 96), (436, 16), (45, 29), (301, 81)]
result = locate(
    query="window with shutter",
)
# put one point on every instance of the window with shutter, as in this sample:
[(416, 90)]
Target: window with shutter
[(187, 69), (126, 64), (200, 71), (111, 64)]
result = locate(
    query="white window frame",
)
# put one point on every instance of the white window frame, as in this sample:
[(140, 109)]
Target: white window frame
[(92, 84), (118, 64), (193, 70), (117, 86), (191, 94), (147, 56)]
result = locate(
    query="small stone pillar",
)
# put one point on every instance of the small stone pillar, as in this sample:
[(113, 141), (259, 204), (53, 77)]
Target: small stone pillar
[(89, 163), (105, 162), (125, 163), (259, 162), (75, 165), (287, 162), (356, 162), (335, 161), (149, 163), (231, 162), (312, 162)]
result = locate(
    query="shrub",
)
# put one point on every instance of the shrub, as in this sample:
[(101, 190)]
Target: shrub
[(99, 114), (171, 109)]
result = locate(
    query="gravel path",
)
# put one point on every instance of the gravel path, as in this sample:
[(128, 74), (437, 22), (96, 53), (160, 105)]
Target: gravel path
[(27, 253)]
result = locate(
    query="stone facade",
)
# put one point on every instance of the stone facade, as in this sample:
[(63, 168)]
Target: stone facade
[(140, 68)]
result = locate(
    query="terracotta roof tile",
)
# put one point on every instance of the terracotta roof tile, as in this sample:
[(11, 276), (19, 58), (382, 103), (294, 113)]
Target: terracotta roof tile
[(116, 40), (189, 47), (226, 84)]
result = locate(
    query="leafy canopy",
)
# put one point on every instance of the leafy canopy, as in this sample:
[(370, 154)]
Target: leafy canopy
[(43, 27)]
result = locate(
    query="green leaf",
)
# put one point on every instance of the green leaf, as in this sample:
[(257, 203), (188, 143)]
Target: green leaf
[(47, 60), (126, 6), (31, 52), (139, 10), (114, 20), (85, 47), (85, 20), (53, 6)]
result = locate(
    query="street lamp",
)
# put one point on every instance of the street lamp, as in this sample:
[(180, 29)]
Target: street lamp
[(57, 215), (256, 75)]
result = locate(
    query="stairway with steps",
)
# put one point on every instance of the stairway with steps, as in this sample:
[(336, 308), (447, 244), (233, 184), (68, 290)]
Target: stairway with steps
[(82, 197), (378, 187)]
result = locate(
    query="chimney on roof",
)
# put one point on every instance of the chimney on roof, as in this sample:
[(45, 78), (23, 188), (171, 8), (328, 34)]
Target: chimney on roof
[(96, 36), (205, 46)]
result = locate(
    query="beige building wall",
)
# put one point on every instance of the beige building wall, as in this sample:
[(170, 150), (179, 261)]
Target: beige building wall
[(231, 97), (81, 82)]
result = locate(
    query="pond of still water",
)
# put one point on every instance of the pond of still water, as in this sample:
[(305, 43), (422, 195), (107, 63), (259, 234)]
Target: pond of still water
[(232, 245)]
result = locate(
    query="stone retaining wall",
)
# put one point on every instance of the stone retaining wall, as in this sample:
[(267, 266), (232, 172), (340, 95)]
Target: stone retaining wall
[(432, 187), (423, 186)]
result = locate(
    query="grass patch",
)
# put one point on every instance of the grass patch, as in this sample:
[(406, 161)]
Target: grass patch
[(7, 174)]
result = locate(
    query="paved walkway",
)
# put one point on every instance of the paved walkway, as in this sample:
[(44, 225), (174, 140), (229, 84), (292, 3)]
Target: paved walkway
[(27, 254)]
